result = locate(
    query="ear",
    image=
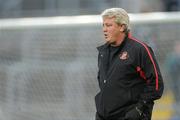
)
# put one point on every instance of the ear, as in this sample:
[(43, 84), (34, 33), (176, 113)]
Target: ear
[(122, 27)]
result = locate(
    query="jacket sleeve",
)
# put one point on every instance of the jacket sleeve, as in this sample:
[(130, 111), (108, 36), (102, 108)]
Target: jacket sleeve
[(152, 75), (98, 72)]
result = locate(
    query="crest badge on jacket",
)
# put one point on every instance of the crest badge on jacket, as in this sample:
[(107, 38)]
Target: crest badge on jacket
[(124, 55)]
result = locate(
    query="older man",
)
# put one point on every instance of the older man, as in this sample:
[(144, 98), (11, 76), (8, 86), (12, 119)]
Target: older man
[(129, 77)]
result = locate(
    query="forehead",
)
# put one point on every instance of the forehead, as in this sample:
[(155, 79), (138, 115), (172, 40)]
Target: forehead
[(108, 19)]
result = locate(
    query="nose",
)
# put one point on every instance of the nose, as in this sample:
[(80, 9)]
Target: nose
[(104, 29)]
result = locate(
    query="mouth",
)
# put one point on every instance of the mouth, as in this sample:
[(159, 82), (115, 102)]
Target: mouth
[(106, 36)]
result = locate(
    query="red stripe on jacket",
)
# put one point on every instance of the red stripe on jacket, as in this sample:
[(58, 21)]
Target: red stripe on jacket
[(150, 56)]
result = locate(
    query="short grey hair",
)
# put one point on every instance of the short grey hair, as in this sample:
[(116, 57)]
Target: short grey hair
[(121, 16)]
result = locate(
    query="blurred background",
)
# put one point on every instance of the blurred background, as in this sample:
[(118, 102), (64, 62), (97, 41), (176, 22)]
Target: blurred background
[(48, 56), (36, 8)]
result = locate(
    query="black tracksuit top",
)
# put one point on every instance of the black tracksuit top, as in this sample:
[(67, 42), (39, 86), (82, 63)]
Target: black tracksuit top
[(132, 76)]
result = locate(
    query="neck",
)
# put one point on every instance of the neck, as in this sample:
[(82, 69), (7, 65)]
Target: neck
[(119, 40)]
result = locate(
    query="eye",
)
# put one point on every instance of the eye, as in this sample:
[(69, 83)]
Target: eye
[(108, 25)]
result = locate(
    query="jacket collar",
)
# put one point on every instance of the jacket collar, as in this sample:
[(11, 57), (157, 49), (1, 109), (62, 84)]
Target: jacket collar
[(104, 46)]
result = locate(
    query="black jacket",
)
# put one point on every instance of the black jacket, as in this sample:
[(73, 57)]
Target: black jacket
[(133, 76)]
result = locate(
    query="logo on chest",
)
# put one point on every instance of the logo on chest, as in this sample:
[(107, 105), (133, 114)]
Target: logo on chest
[(124, 55)]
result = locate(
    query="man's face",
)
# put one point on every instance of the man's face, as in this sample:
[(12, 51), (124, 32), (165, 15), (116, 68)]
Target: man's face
[(111, 30)]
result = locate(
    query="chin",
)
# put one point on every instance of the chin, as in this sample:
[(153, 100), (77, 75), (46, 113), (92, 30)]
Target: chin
[(109, 41)]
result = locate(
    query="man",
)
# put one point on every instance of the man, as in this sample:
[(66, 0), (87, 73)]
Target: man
[(129, 77)]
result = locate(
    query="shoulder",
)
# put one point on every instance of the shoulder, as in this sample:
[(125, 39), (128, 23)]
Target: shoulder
[(101, 47), (137, 44)]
